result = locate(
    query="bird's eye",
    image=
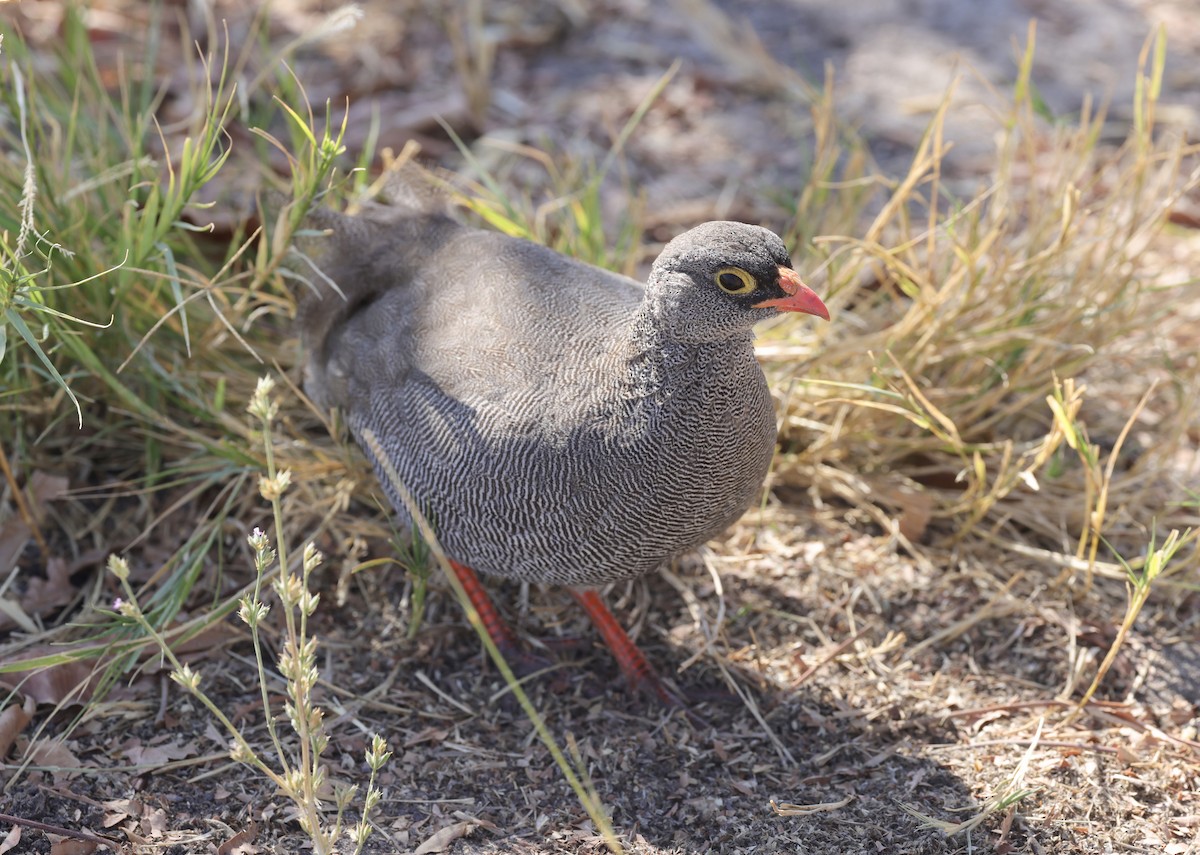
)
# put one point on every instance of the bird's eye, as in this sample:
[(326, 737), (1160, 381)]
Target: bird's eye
[(734, 280)]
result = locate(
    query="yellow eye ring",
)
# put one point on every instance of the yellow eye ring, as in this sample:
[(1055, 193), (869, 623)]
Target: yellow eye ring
[(734, 280)]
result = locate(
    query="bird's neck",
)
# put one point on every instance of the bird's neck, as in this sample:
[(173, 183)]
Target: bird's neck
[(669, 353)]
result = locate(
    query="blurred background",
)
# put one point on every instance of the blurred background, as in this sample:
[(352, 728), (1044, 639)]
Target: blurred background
[(730, 136)]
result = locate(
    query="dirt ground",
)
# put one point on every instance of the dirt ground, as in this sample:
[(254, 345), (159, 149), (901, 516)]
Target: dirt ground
[(878, 684)]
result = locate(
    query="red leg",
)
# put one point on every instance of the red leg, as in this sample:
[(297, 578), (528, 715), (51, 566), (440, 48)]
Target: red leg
[(500, 632), (638, 671)]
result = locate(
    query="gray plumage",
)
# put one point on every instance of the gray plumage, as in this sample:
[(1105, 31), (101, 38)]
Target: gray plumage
[(557, 422)]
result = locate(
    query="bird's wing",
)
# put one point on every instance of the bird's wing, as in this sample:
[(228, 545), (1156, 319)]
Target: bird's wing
[(483, 317)]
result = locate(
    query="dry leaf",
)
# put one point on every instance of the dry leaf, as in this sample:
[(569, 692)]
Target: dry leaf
[(14, 534), (45, 488), (221, 740), (13, 719), (441, 840), (916, 510), (71, 846), (241, 843), (154, 822), (43, 596), (216, 637), (430, 734), (68, 681), (155, 755), (746, 788), (55, 755), (119, 810), (9, 843), (915, 507)]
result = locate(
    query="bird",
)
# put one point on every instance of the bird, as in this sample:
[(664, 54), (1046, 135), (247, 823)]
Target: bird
[(557, 422)]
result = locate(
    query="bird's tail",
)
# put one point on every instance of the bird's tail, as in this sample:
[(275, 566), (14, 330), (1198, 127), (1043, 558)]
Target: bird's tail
[(340, 261)]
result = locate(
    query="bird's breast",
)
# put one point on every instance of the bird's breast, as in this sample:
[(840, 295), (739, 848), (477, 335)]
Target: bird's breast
[(586, 487)]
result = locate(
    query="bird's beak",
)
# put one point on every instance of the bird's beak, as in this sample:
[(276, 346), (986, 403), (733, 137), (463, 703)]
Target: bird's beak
[(800, 298)]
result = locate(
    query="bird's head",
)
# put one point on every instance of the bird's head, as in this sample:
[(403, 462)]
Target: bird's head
[(720, 278)]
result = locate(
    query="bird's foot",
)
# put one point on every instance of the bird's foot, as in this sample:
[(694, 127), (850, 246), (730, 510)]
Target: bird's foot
[(638, 671), (523, 662)]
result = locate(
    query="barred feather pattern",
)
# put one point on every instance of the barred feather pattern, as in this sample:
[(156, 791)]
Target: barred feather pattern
[(557, 423), (620, 494)]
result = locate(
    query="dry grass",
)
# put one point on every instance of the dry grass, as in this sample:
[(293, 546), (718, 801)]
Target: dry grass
[(1009, 368)]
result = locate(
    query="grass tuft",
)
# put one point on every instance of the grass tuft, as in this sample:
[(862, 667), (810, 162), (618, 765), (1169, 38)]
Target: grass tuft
[(978, 343), (299, 772)]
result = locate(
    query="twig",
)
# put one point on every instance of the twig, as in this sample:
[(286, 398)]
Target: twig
[(834, 654), (58, 829), (22, 506)]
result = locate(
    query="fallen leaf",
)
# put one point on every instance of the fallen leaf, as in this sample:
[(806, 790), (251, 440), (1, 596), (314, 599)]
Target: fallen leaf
[(112, 820), (1127, 756), (45, 488), (41, 596), (71, 846), (915, 508), (154, 822), (155, 755), (746, 788), (15, 531), (14, 534), (430, 734), (119, 810), (221, 740), (56, 756), (44, 596), (69, 681), (216, 637), (11, 840), (441, 839), (241, 843), (13, 719)]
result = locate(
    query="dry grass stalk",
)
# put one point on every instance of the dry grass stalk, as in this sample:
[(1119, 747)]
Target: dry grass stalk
[(1010, 795), (575, 774), (474, 55)]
